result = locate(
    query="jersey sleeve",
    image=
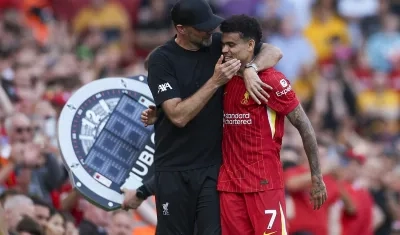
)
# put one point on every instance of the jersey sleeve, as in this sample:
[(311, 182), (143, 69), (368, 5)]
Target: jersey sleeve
[(282, 99), (161, 80)]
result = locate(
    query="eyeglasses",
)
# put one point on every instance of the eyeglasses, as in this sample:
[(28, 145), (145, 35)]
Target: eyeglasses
[(21, 130)]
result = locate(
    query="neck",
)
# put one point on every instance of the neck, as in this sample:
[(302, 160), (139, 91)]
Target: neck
[(185, 44), (244, 62)]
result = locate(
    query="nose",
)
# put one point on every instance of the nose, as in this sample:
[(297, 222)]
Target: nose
[(225, 49)]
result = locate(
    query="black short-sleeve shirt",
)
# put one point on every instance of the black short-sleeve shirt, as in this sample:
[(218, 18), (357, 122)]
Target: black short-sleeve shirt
[(178, 73)]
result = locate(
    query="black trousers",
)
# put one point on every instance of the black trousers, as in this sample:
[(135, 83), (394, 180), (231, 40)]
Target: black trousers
[(188, 198)]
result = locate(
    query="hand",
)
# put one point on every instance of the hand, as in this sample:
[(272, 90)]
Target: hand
[(130, 200), (149, 116), (71, 230), (17, 153), (223, 72), (318, 194), (32, 157), (255, 86)]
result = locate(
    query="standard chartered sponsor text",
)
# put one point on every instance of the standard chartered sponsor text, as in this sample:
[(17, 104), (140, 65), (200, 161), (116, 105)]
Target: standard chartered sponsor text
[(237, 119)]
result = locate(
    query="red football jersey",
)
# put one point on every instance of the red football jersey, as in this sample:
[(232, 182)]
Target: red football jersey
[(361, 222), (305, 217), (252, 135)]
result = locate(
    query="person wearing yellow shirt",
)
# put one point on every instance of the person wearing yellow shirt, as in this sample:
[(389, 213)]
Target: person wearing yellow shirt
[(381, 102), (324, 30), (305, 84), (107, 15)]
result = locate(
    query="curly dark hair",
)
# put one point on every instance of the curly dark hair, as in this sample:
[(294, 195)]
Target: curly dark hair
[(248, 27)]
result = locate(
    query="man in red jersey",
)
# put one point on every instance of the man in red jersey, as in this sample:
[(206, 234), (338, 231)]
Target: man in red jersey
[(360, 219), (306, 221), (251, 184)]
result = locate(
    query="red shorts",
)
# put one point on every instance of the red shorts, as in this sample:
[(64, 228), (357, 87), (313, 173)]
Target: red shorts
[(260, 213)]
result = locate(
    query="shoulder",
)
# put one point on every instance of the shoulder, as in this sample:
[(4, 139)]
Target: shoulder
[(273, 77), (161, 54)]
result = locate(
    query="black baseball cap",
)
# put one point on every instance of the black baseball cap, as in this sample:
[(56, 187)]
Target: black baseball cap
[(195, 13)]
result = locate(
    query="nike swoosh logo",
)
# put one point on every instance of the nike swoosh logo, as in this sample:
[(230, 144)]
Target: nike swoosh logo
[(269, 233)]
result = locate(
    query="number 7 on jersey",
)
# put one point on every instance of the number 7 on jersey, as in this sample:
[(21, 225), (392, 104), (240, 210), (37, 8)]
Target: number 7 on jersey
[(273, 216)]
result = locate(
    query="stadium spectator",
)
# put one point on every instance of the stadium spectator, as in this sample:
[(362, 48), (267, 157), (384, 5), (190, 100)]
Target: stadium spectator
[(290, 39), (15, 208), (95, 220), (55, 224), (297, 181), (42, 211), (324, 27), (70, 228), (35, 171), (121, 224), (108, 16), (384, 46)]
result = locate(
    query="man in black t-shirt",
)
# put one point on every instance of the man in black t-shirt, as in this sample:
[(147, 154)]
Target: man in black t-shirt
[(186, 78)]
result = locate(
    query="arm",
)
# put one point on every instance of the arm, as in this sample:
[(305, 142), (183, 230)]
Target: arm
[(3, 225), (268, 57), (131, 199), (165, 89), (181, 112), (149, 187), (302, 181), (54, 172), (5, 172), (70, 200), (391, 204), (348, 203), (298, 182), (378, 217), (299, 119), (5, 103)]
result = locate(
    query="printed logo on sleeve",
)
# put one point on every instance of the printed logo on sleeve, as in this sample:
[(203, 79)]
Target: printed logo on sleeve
[(164, 87), (286, 86), (283, 83)]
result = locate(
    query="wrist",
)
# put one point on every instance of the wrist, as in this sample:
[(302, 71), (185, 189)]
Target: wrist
[(316, 177), (249, 73), (142, 192), (252, 66), (213, 83)]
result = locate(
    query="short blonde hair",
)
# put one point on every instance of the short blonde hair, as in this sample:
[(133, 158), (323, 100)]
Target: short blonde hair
[(9, 122), (17, 200)]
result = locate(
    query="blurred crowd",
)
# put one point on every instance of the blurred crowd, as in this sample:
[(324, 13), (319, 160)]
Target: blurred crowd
[(341, 56)]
